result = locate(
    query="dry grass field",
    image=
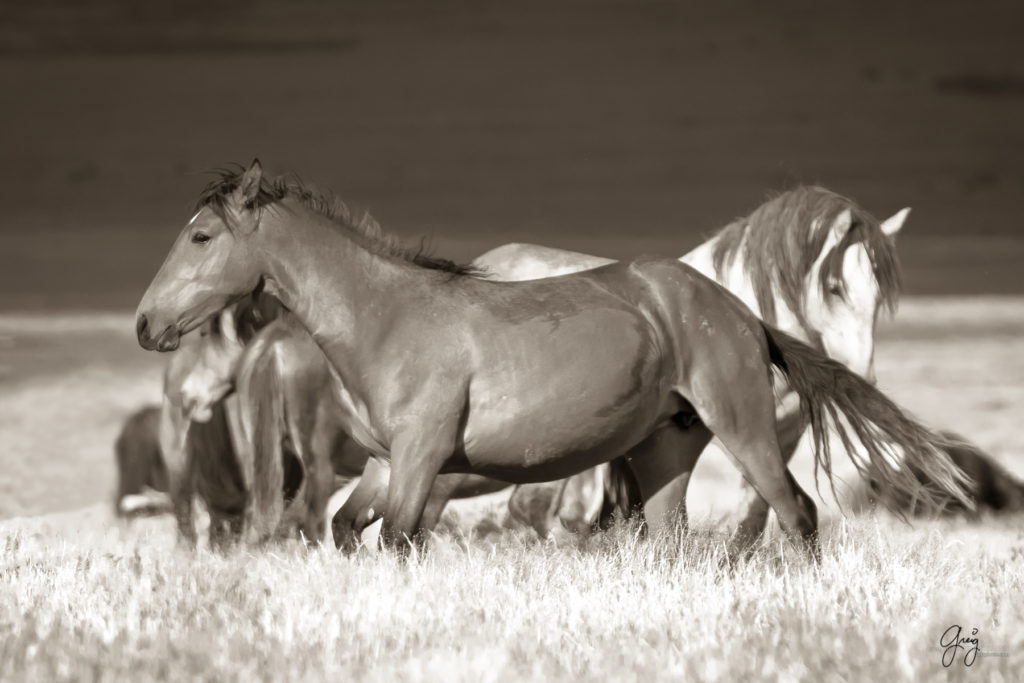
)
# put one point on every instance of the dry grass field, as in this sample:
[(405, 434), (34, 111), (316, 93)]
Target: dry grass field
[(83, 597)]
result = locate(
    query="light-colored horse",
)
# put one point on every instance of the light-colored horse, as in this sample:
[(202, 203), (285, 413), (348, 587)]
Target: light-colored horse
[(809, 261), (526, 381), (195, 430)]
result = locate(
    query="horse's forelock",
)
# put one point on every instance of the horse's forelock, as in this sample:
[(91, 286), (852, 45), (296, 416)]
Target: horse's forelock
[(865, 230), (226, 180)]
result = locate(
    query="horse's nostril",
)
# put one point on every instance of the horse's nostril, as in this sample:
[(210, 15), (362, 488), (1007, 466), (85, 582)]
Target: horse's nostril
[(141, 327)]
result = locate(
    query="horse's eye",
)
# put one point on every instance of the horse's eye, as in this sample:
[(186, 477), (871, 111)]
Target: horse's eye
[(200, 238), (835, 289)]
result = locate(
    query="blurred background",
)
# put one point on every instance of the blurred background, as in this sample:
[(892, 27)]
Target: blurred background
[(615, 128), (611, 127)]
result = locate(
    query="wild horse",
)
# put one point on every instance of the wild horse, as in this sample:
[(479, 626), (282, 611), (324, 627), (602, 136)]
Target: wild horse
[(528, 381)]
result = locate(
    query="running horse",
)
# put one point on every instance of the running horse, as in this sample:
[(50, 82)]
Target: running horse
[(843, 271), (809, 261), (440, 371)]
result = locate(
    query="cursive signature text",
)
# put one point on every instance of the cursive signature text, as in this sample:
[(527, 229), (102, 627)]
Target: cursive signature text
[(953, 641)]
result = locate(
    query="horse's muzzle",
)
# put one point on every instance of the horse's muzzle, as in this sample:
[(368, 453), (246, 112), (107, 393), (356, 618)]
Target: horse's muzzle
[(167, 340)]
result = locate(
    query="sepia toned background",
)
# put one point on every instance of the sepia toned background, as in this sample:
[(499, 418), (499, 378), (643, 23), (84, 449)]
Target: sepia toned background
[(610, 127), (616, 128)]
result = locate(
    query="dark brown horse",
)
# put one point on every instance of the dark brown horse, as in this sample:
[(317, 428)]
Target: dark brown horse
[(141, 474), (991, 487), (528, 381)]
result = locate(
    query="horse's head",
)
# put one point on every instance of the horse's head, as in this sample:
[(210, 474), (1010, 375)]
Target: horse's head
[(211, 265), (847, 285), (203, 370), (212, 374)]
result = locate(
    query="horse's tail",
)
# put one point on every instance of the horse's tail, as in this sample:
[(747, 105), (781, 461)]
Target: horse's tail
[(264, 462), (832, 395)]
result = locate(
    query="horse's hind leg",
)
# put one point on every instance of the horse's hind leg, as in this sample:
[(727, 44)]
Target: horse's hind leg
[(365, 505), (318, 484), (740, 411), (536, 506), (663, 463), (790, 426)]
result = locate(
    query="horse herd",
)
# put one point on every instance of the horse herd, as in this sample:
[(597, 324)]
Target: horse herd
[(309, 349)]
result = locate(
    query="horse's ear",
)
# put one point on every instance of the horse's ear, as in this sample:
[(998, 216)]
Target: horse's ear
[(837, 231), (249, 185), (891, 225)]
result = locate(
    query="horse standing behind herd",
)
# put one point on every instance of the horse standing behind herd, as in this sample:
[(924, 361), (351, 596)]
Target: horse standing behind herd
[(443, 371)]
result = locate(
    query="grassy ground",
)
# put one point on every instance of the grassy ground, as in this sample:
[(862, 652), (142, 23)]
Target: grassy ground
[(84, 597)]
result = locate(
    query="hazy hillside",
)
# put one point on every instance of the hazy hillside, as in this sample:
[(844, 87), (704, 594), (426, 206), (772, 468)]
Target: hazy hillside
[(613, 127)]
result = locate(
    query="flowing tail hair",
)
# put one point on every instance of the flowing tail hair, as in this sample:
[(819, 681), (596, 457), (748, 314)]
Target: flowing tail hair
[(264, 457), (832, 395)]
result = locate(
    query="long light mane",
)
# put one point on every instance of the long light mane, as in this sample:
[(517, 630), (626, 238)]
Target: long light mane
[(783, 238), (363, 230)]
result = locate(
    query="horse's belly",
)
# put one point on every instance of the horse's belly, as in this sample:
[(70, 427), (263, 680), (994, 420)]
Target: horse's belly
[(571, 406)]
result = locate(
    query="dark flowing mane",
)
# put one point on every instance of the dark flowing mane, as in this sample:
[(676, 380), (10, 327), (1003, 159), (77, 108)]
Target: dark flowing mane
[(782, 238), (363, 230)]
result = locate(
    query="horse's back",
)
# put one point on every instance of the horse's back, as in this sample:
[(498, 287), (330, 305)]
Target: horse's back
[(283, 342), (994, 487), (519, 261), (283, 363)]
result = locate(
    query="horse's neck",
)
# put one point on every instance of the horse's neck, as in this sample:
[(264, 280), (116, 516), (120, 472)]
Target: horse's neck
[(733, 276), (334, 286)]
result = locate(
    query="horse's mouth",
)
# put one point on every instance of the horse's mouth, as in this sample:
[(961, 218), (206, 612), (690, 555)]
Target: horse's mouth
[(167, 340)]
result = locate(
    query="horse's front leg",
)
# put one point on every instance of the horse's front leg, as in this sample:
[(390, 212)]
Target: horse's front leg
[(416, 458)]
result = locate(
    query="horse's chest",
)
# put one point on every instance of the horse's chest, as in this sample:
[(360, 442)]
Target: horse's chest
[(356, 420)]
